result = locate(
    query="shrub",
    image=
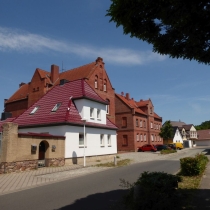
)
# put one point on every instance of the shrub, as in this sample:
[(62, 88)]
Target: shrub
[(193, 166), (167, 151), (152, 191)]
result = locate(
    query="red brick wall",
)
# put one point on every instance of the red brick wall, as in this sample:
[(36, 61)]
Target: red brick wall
[(17, 107), (108, 94), (36, 89)]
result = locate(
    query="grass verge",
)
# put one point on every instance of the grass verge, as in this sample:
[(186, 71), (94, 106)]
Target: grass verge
[(124, 162), (167, 151)]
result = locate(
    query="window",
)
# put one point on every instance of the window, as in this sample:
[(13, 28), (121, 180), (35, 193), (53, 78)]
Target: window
[(141, 123), (137, 137), (124, 122), (0, 141), (102, 140), (34, 110), (98, 114), (155, 137), (145, 137), (81, 139), (55, 108), (137, 123), (141, 138), (144, 124), (152, 137), (107, 106), (96, 82), (109, 140), (151, 110), (92, 113), (105, 86), (125, 140), (151, 125)]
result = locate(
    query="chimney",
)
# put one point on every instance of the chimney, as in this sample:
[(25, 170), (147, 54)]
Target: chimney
[(127, 96), (21, 84), (54, 73), (100, 62)]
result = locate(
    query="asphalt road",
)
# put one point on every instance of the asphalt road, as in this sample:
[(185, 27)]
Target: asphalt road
[(95, 191)]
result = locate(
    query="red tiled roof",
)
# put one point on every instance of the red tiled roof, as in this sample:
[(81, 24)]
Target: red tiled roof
[(157, 116), (131, 103), (203, 134), (142, 103), (21, 93), (60, 94), (40, 134), (187, 127), (43, 73)]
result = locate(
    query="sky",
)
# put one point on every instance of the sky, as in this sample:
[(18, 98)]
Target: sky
[(36, 34)]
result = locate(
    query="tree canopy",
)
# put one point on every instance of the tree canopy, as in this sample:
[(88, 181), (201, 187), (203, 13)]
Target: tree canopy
[(203, 126), (166, 132), (180, 29)]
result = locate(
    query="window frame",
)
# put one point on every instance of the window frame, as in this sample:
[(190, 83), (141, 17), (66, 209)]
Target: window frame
[(98, 114), (84, 140), (34, 110), (102, 140), (92, 113), (56, 107), (109, 140)]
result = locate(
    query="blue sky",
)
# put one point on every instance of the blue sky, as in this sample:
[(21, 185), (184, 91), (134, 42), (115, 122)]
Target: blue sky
[(35, 34)]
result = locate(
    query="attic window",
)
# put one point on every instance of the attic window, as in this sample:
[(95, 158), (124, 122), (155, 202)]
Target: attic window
[(55, 108), (34, 110)]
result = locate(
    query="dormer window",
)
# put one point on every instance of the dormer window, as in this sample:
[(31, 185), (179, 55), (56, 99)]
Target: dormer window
[(55, 108), (34, 110)]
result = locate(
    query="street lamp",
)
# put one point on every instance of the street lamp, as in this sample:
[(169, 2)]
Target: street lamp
[(84, 120)]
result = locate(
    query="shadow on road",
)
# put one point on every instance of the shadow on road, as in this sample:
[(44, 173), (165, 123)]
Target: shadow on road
[(187, 199), (100, 201)]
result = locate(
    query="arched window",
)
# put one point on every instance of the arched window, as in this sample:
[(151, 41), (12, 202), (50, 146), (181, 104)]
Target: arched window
[(137, 137), (105, 86), (96, 82)]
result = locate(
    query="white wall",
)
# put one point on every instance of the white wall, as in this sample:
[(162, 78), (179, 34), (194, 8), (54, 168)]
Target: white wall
[(203, 143), (72, 147), (177, 137), (83, 107)]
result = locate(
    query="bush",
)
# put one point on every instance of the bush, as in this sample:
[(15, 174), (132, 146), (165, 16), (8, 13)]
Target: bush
[(193, 166), (152, 191), (167, 151)]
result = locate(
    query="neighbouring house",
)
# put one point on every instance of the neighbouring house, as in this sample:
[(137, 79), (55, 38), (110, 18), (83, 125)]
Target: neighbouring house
[(42, 81), (177, 136), (137, 123), (187, 131), (203, 138), (66, 122)]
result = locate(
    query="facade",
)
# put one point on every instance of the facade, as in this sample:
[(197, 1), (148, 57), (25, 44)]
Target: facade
[(42, 81), (69, 110), (177, 137), (203, 138), (137, 123)]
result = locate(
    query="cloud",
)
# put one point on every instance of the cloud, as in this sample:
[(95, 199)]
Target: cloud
[(21, 41)]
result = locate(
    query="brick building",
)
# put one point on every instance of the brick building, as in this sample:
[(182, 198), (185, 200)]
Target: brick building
[(137, 122), (42, 81)]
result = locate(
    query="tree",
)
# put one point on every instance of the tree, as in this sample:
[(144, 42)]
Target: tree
[(166, 132), (203, 126), (177, 28)]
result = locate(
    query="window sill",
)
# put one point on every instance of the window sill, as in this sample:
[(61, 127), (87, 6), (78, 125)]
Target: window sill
[(102, 146), (109, 146), (82, 146), (92, 118), (98, 119)]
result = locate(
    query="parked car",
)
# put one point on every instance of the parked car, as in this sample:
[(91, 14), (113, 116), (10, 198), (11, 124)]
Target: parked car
[(172, 146), (147, 147), (161, 147)]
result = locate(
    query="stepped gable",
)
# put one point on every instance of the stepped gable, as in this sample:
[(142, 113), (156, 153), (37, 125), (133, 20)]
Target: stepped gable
[(60, 94)]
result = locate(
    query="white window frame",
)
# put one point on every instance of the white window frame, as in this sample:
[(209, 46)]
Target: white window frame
[(137, 137), (98, 114), (56, 107), (109, 140), (96, 84), (152, 137), (151, 125), (104, 87), (91, 113), (102, 140), (145, 137), (34, 110), (81, 144)]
